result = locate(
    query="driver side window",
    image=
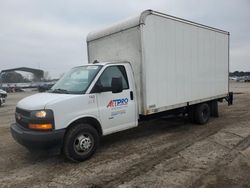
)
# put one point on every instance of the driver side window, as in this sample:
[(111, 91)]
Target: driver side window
[(105, 79)]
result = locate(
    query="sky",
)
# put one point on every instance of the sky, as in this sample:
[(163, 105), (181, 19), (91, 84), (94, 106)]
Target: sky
[(51, 34)]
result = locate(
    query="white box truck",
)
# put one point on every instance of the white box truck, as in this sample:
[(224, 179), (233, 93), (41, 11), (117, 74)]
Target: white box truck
[(146, 65)]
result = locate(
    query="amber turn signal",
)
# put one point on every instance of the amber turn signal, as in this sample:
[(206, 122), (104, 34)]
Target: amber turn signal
[(46, 126)]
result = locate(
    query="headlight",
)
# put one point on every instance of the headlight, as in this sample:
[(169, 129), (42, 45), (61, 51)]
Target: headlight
[(40, 114), (41, 120)]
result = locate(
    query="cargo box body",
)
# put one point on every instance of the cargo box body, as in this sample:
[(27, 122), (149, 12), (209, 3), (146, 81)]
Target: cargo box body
[(175, 62)]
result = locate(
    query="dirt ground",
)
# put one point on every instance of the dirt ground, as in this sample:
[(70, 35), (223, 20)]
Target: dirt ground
[(167, 152)]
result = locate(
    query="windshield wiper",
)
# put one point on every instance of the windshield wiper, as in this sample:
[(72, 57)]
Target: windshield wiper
[(59, 91)]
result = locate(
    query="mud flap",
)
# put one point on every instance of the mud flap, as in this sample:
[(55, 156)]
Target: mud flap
[(229, 98)]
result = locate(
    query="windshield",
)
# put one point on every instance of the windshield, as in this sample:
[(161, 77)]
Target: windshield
[(77, 80)]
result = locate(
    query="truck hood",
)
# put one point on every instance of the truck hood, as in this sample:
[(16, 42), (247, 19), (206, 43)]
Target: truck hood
[(40, 100)]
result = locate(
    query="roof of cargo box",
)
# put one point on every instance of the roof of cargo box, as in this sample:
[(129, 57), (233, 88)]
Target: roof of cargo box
[(138, 20)]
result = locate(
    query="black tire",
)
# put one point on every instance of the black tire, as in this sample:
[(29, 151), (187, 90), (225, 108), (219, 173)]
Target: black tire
[(80, 142), (214, 109), (202, 113)]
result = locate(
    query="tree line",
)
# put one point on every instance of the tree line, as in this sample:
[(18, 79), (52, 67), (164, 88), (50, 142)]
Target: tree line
[(239, 73), (15, 77)]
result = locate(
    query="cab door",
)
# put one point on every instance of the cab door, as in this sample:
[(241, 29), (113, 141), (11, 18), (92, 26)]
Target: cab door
[(117, 110)]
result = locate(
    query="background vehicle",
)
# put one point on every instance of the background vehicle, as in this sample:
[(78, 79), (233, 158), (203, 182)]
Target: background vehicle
[(150, 64), (247, 79), (3, 96), (45, 87)]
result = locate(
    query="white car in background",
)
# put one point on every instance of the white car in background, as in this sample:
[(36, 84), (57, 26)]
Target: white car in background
[(247, 79), (3, 96)]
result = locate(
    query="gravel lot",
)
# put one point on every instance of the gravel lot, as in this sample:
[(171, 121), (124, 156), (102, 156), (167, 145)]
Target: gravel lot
[(167, 152)]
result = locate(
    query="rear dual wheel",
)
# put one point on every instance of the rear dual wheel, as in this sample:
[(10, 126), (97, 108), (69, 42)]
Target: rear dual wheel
[(202, 113), (199, 113)]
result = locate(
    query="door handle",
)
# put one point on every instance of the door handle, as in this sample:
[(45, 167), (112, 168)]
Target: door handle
[(131, 95)]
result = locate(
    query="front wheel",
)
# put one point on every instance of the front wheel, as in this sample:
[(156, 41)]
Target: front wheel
[(80, 142)]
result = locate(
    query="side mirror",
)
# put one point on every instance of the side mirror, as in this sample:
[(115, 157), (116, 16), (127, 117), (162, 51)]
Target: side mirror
[(116, 85)]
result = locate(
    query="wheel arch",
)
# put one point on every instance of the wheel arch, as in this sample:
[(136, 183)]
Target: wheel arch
[(90, 120)]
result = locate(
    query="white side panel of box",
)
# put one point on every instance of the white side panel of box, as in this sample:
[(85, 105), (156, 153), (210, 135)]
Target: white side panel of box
[(120, 46), (182, 62)]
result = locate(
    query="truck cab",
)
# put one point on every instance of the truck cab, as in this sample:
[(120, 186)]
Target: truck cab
[(87, 102)]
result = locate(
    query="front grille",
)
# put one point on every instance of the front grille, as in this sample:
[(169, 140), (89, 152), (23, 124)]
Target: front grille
[(23, 112), (22, 117)]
